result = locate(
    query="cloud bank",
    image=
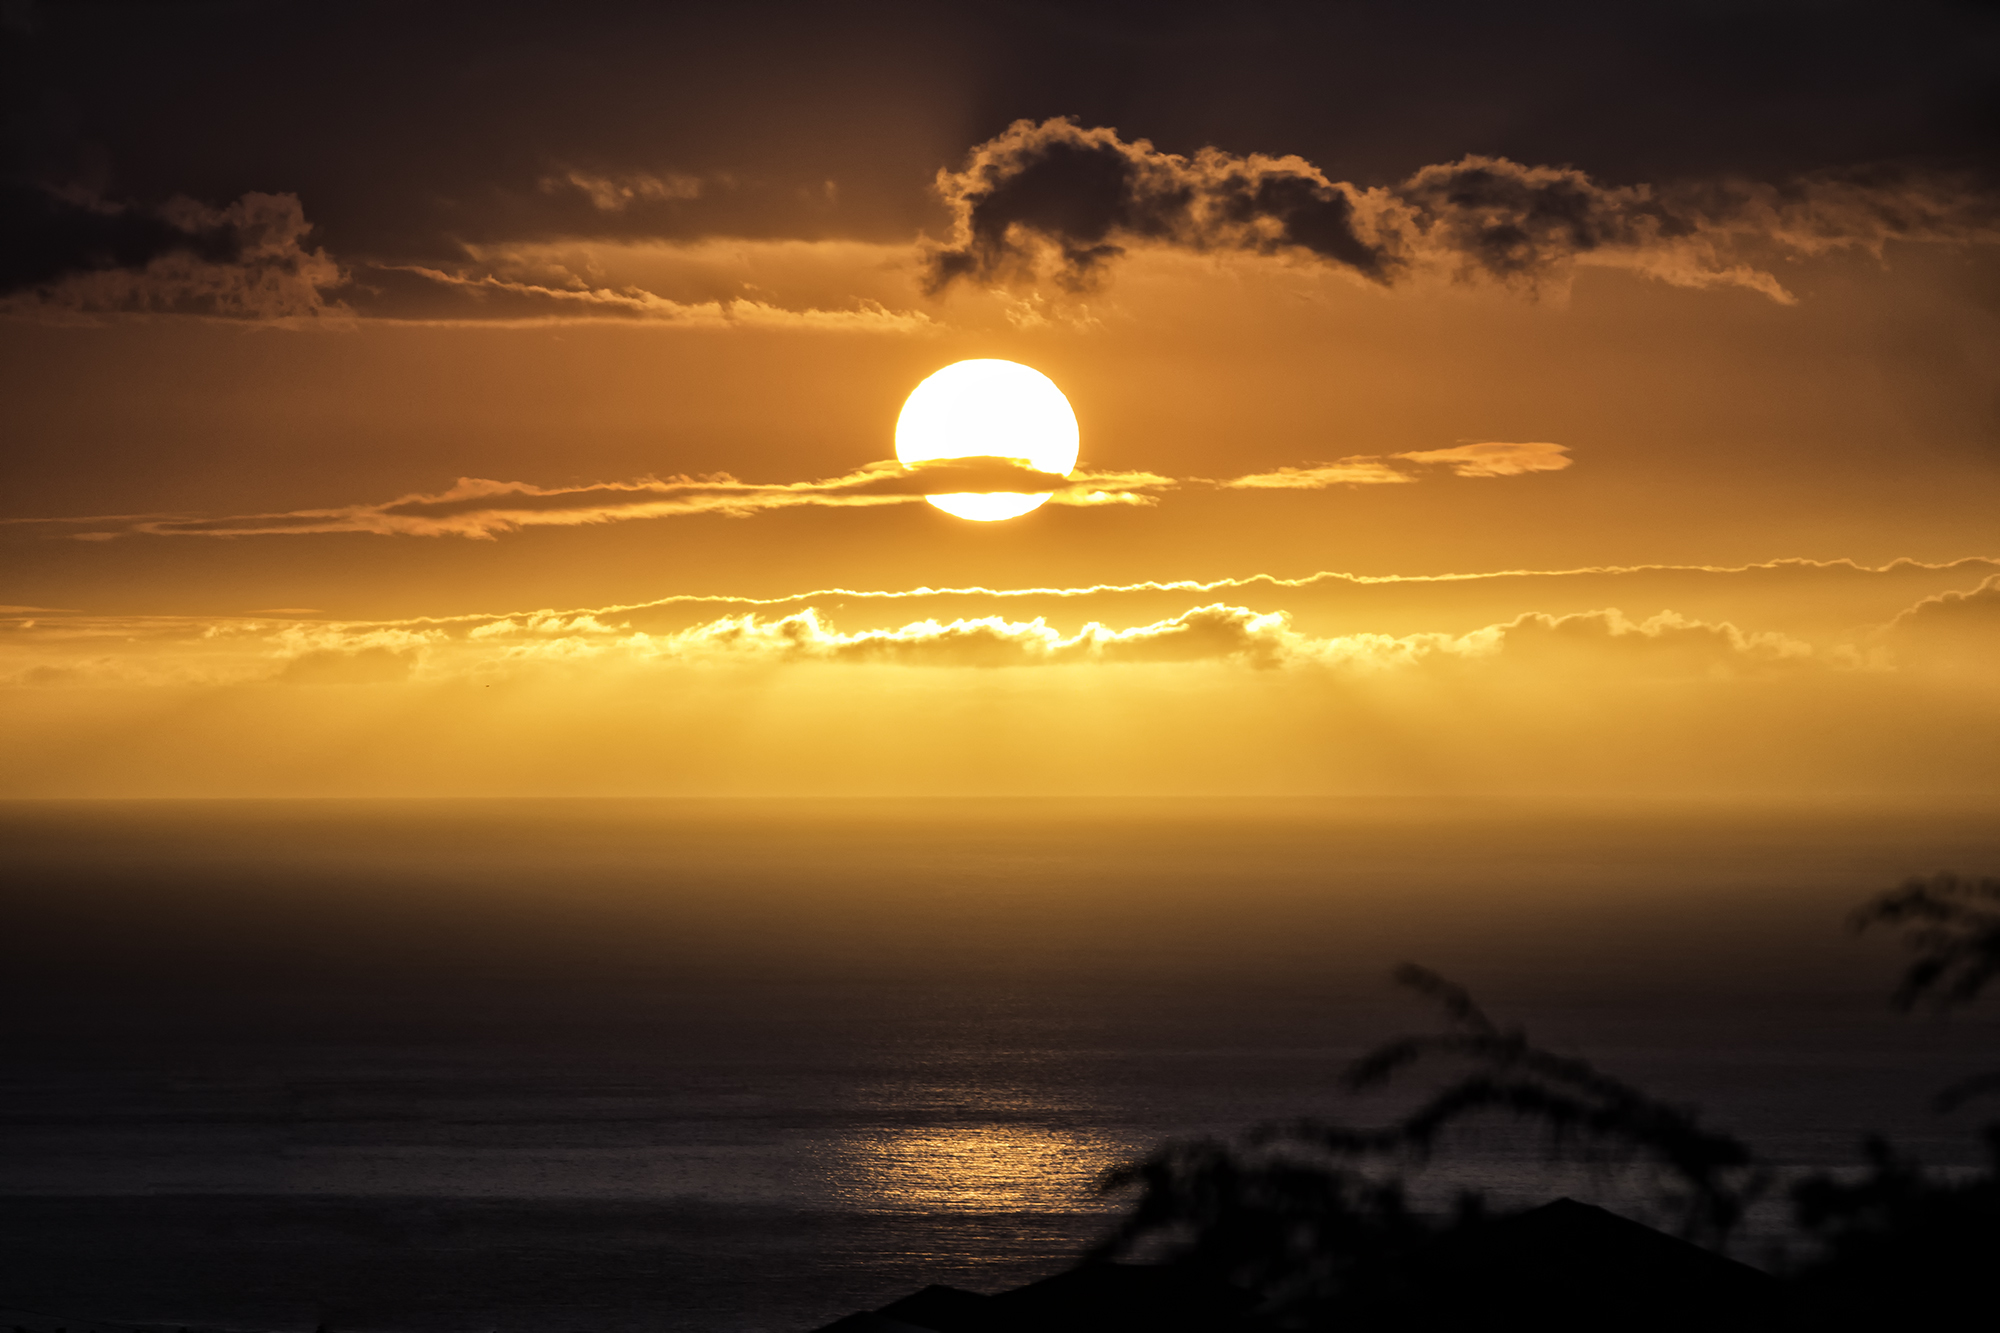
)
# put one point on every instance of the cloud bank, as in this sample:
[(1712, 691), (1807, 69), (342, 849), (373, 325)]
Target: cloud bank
[(1664, 644), (1215, 695), (1668, 645), (1058, 201)]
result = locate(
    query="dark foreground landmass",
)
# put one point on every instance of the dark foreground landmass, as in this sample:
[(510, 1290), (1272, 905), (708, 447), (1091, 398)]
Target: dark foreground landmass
[(1565, 1267)]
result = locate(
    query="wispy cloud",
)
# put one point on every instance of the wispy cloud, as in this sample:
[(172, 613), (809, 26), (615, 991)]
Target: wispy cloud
[(1361, 470), (549, 304), (1494, 458), (1491, 459), (615, 194), (479, 508), (482, 508)]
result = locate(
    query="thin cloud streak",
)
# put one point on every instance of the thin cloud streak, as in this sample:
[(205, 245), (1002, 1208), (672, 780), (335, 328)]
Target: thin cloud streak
[(1494, 458), (1490, 459), (633, 303), (72, 622), (481, 508)]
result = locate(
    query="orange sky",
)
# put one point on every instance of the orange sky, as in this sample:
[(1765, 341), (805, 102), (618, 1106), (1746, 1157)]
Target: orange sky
[(1753, 405)]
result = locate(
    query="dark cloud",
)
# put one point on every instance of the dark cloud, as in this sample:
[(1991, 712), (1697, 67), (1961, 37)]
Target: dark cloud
[(1077, 196), (67, 251), (1057, 200), (50, 237), (408, 129)]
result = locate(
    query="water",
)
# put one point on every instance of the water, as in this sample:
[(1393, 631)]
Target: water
[(601, 1065)]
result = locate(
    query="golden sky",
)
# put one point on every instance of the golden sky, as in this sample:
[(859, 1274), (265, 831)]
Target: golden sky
[(463, 416)]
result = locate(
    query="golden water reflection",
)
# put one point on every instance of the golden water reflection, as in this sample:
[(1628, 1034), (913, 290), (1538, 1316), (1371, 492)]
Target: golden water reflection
[(986, 1168)]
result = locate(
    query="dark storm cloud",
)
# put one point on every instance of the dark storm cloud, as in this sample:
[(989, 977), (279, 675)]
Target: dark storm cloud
[(1058, 200)]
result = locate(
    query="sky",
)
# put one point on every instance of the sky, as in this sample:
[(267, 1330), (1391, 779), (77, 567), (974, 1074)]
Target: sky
[(450, 399)]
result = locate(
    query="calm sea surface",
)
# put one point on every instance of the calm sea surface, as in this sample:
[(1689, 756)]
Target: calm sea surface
[(739, 1065)]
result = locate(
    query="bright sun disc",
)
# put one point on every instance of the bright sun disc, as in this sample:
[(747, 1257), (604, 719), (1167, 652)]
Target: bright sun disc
[(1002, 409)]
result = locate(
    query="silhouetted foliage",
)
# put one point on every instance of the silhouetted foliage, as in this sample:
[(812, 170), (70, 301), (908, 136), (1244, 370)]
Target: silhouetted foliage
[(1314, 1220), (1315, 1216), (1954, 925), (1294, 1212), (1709, 1177), (1900, 1246)]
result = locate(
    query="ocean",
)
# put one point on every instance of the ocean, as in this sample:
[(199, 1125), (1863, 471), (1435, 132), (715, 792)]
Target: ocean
[(735, 1065)]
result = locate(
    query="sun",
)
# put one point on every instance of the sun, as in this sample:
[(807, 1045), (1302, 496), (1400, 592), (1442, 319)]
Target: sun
[(988, 408)]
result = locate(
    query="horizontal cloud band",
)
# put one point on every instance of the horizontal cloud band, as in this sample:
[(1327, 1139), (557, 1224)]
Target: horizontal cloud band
[(1667, 645), (479, 508), (1955, 632)]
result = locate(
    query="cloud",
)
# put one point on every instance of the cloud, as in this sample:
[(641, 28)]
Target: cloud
[(71, 253), (1218, 633), (1059, 197), (1668, 645), (515, 303), (1494, 458), (1060, 201), (1950, 630), (360, 666), (615, 194), (481, 508), (1208, 633), (1361, 470)]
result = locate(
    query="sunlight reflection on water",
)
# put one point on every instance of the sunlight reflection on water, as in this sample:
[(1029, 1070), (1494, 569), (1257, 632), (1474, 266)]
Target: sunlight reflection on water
[(992, 1167)]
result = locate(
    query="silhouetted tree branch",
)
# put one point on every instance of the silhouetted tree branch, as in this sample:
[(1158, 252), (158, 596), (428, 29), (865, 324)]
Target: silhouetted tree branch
[(1295, 1209), (1953, 924)]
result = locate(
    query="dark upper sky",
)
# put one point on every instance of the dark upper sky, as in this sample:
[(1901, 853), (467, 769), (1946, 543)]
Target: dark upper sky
[(407, 129)]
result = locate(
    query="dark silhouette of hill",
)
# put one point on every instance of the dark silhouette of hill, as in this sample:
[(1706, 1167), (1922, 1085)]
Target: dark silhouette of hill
[(1566, 1267)]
